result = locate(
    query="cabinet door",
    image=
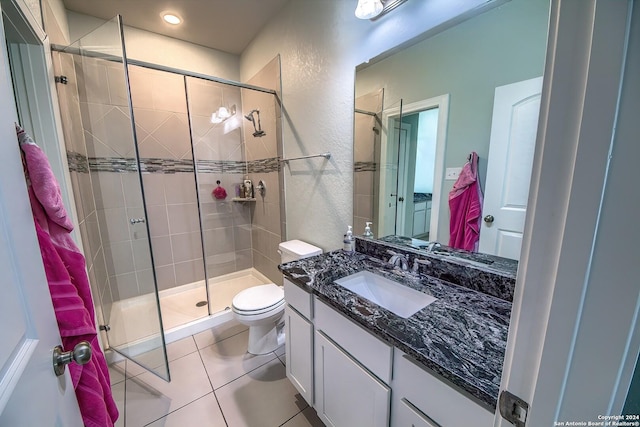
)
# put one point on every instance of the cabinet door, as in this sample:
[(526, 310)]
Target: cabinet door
[(299, 350), (408, 415), (347, 395), (419, 222)]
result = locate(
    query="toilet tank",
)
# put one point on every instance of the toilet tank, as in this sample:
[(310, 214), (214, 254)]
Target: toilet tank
[(292, 250)]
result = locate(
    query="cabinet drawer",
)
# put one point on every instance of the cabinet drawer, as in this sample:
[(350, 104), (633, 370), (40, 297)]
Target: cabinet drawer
[(443, 404), (410, 416), (370, 351), (298, 298)]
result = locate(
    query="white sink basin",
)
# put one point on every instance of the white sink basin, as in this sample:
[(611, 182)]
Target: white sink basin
[(393, 296)]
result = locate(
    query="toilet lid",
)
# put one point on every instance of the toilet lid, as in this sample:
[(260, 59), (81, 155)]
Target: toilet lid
[(258, 297)]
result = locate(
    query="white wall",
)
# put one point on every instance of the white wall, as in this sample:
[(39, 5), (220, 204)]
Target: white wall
[(162, 50), (320, 43)]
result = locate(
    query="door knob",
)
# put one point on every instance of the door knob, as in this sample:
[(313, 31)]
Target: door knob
[(489, 219), (81, 354)]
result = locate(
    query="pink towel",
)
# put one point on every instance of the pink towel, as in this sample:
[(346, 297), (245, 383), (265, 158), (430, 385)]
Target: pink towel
[(465, 204), (69, 286)]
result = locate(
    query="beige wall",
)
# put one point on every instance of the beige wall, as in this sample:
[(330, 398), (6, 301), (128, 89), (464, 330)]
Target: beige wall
[(161, 50), (267, 221)]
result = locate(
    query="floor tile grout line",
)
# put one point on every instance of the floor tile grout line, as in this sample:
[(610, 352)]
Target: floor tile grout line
[(182, 407), (219, 341), (246, 373), (213, 390)]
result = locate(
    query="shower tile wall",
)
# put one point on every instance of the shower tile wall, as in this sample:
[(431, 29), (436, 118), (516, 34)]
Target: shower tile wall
[(104, 175), (117, 196), (262, 156), (366, 159), (162, 127), (219, 157), (83, 190)]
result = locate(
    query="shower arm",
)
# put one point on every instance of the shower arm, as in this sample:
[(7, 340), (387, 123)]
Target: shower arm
[(259, 125)]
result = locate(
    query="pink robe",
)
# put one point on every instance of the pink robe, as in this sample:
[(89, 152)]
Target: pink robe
[(465, 204), (65, 269)]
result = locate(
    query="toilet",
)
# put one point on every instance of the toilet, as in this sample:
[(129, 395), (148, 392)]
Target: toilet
[(261, 307)]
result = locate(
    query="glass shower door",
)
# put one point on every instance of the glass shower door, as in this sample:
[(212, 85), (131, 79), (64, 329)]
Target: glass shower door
[(106, 175)]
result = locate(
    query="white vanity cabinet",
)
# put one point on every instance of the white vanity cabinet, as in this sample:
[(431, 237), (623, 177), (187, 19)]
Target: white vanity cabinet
[(422, 399), (421, 217), (299, 339), (347, 374)]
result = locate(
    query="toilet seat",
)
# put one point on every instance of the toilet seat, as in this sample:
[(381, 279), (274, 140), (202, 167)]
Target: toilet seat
[(258, 300)]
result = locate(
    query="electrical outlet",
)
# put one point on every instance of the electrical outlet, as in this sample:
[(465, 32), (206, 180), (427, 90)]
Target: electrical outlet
[(452, 174)]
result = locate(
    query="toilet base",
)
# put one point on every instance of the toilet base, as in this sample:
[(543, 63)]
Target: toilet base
[(265, 339)]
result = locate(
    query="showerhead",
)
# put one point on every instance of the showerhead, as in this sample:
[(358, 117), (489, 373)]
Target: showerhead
[(249, 116), (258, 129)]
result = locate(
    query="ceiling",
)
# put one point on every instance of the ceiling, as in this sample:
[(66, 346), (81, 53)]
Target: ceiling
[(226, 25)]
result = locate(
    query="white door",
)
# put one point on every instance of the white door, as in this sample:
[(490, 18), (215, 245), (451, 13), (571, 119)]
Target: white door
[(390, 176), (574, 336), (403, 198), (30, 393), (516, 108)]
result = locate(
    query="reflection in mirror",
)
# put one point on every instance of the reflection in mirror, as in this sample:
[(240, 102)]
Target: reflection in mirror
[(366, 152), (413, 150), (471, 63)]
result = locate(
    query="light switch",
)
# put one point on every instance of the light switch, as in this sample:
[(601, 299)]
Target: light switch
[(452, 174)]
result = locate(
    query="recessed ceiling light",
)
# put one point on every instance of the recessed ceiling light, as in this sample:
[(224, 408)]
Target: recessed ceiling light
[(171, 18)]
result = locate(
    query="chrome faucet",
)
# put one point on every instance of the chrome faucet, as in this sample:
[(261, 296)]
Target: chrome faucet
[(433, 246), (398, 260), (416, 264)]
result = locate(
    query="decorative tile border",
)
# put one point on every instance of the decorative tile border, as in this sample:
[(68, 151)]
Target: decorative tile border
[(365, 166), (80, 163), (264, 165), (77, 162), (221, 166)]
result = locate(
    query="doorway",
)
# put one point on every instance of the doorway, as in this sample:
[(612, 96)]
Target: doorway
[(412, 168)]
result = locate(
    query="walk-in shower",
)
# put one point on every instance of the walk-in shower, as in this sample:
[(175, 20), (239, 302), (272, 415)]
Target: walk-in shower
[(146, 151)]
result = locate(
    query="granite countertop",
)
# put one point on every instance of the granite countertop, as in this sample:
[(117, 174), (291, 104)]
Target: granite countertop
[(421, 197), (461, 337)]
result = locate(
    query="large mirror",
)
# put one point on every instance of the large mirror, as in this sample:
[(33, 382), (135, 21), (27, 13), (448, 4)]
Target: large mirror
[(421, 111)]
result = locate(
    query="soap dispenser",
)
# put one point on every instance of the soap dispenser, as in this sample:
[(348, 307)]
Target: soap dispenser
[(349, 241), (367, 231)]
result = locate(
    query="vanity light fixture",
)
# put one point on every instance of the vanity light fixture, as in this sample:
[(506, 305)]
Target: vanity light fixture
[(171, 18), (368, 9), (374, 9), (222, 114)]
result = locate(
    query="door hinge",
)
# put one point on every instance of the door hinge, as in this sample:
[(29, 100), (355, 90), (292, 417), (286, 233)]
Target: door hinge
[(513, 409), (61, 79)]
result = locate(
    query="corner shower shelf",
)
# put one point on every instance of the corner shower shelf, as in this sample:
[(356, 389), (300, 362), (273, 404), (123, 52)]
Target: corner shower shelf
[(243, 199)]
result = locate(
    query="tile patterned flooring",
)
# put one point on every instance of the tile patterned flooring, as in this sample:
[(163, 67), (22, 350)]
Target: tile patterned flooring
[(214, 382)]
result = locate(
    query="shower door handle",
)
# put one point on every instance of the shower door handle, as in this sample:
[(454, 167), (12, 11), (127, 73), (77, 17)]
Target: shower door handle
[(136, 220)]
